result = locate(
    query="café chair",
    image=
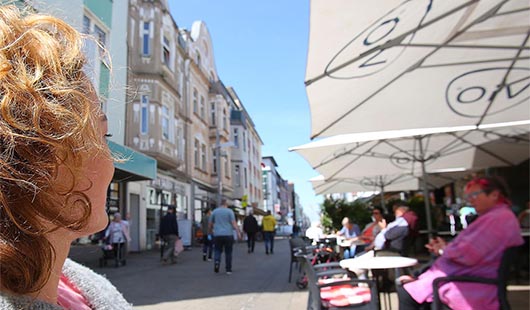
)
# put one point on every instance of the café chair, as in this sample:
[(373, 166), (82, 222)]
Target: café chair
[(296, 244), (503, 274), (336, 288)]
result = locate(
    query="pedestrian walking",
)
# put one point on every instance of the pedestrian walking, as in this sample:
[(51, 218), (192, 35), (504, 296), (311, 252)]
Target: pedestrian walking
[(222, 223), (250, 227), (56, 166), (117, 234), (269, 225), (207, 240), (169, 232)]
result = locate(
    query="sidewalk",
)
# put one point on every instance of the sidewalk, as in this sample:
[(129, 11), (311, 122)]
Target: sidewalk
[(258, 281)]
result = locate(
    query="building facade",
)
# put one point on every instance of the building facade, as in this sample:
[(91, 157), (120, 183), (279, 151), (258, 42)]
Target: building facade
[(103, 20), (157, 116), (209, 123), (246, 157), (271, 189)]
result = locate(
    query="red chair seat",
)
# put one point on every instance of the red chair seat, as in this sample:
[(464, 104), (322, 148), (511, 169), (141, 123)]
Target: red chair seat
[(331, 280), (343, 295)]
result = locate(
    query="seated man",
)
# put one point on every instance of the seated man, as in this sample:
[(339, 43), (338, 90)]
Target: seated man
[(476, 251), (392, 235), (351, 232)]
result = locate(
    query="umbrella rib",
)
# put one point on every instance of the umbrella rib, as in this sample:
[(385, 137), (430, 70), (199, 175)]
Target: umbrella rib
[(472, 62), (346, 152), (503, 82), (325, 188), (484, 150), (500, 135), (389, 43), (412, 157), (513, 11), (397, 179), (458, 33), (411, 68), (353, 160), (451, 146), (400, 149), (509, 47)]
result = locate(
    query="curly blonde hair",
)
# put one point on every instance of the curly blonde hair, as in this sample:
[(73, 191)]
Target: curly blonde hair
[(47, 121)]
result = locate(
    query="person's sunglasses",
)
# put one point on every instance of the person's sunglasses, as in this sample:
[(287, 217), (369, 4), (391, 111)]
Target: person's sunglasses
[(473, 195)]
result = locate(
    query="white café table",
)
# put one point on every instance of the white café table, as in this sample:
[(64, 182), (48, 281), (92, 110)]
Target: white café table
[(369, 261)]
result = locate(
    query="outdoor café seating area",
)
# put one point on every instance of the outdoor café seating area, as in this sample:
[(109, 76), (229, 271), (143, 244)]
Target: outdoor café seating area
[(367, 281)]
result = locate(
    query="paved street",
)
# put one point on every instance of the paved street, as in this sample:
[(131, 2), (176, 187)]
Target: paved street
[(258, 281)]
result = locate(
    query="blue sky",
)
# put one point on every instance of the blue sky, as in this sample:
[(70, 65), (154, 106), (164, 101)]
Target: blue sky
[(260, 49)]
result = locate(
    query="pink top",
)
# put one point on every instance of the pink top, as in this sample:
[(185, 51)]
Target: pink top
[(70, 297), (476, 251)]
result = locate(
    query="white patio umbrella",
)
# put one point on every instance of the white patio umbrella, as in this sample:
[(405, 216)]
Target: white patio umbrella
[(418, 152), (395, 64), (382, 183)]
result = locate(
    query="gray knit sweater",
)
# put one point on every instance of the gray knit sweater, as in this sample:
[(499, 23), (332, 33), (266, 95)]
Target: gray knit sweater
[(98, 291)]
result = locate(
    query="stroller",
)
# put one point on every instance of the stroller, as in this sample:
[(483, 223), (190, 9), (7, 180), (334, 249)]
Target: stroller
[(110, 252)]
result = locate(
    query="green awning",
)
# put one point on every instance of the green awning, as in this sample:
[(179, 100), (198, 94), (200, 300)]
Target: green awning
[(135, 167)]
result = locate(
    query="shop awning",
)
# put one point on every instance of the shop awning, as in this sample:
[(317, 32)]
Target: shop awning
[(135, 166)]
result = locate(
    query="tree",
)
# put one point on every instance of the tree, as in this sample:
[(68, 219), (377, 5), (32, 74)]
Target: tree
[(334, 210)]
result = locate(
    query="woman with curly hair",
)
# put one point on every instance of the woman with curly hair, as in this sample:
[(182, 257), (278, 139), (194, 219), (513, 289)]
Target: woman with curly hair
[(55, 167)]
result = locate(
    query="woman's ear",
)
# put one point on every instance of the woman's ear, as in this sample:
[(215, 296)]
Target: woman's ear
[(494, 195)]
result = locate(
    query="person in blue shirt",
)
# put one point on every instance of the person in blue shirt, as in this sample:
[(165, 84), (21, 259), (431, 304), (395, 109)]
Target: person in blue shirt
[(222, 223), (351, 232)]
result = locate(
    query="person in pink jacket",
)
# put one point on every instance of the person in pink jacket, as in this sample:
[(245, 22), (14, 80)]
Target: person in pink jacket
[(476, 251)]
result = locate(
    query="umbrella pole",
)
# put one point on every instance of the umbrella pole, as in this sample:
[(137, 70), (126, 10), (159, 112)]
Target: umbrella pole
[(426, 199), (382, 192)]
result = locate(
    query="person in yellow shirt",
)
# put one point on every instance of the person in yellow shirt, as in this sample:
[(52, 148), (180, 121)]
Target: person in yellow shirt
[(269, 226)]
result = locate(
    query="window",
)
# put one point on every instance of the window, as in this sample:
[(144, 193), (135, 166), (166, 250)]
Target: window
[(203, 157), (214, 152), (196, 152), (165, 122), (86, 25), (96, 68), (180, 144), (203, 108), (166, 54), (244, 138), (195, 105), (212, 111), (101, 36), (237, 176), (226, 169), (198, 59), (236, 137), (144, 112), (225, 124), (145, 39)]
